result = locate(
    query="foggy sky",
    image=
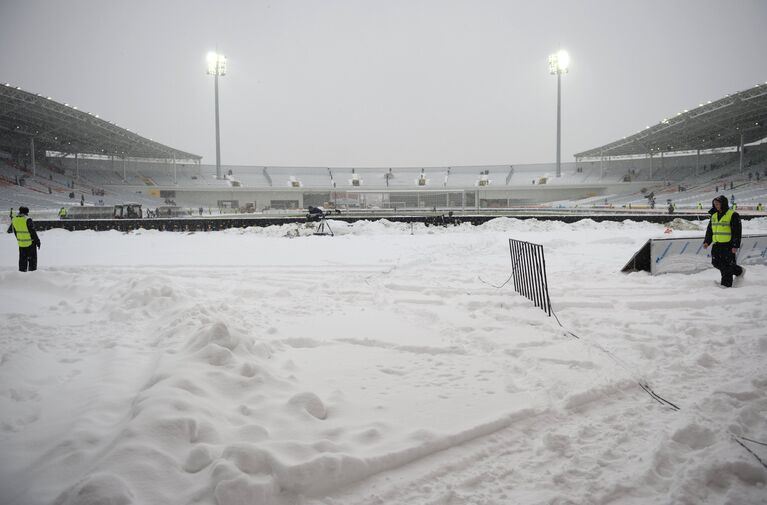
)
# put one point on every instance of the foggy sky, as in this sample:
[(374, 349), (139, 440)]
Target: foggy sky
[(383, 82)]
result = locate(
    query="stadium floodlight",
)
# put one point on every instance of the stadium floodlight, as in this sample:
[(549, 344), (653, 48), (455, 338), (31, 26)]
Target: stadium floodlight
[(559, 64), (216, 63), (217, 67)]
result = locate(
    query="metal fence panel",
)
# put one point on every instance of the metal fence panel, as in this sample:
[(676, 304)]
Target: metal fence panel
[(528, 269)]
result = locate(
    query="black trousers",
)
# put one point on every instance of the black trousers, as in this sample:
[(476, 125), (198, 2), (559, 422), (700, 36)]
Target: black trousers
[(28, 258), (723, 259)]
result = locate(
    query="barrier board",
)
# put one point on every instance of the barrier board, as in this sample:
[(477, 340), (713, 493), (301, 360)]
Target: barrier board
[(686, 255), (528, 267)]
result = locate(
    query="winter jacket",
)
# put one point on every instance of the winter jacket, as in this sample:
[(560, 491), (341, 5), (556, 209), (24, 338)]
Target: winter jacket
[(736, 228), (32, 232)]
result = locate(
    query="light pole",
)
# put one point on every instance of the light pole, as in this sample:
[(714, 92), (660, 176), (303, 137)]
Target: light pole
[(558, 63), (216, 67)]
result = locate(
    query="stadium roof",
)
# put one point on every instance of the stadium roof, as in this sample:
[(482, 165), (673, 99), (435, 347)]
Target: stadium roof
[(709, 126), (59, 127)]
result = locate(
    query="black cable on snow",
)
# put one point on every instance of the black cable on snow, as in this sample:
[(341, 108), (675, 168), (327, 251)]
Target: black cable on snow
[(752, 440), (642, 383), (504, 282), (737, 439), (657, 397), (493, 285)]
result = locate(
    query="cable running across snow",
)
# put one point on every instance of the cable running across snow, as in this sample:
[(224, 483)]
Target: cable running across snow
[(738, 440), (642, 383)]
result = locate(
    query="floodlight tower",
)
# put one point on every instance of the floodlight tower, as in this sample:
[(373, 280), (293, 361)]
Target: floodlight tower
[(217, 67), (558, 64)]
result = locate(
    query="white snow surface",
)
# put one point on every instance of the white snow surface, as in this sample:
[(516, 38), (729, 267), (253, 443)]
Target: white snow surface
[(380, 366)]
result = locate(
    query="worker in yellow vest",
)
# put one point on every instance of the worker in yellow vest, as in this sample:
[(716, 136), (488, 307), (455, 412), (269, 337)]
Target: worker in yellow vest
[(724, 231), (26, 236)]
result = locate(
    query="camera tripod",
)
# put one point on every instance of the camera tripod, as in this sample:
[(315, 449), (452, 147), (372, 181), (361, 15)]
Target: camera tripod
[(323, 228)]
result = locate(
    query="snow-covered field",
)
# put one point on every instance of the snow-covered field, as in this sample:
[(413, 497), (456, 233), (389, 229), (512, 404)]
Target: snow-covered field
[(380, 366)]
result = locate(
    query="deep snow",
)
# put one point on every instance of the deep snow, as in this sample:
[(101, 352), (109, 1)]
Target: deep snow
[(377, 366)]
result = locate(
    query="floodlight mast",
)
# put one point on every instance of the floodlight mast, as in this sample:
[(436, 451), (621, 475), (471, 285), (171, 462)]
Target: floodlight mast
[(216, 67), (558, 64)]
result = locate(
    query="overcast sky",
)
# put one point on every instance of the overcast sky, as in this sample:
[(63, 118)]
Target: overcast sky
[(383, 82)]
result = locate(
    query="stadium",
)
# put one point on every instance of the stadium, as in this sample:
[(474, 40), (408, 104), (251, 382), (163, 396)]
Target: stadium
[(538, 334), (54, 156)]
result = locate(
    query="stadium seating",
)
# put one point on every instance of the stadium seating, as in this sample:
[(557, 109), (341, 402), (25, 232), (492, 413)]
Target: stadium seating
[(110, 182)]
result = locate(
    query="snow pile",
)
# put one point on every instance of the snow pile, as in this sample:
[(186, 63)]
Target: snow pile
[(377, 366), (684, 224)]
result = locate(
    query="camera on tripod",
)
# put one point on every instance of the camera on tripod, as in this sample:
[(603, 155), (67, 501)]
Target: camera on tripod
[(318, 213), (315, 214)]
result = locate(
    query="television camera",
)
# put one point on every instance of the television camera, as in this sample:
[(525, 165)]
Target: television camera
[(319, 215)]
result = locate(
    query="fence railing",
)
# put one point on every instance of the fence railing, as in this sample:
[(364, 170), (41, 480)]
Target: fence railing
[(528, 268)]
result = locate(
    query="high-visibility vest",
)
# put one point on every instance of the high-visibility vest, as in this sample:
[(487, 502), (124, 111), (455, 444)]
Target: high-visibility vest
[(63, 212), (23, 236), (720, 228)]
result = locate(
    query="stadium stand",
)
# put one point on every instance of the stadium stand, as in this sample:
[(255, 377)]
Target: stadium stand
[(693, 156), (47, 152), (734, 120)]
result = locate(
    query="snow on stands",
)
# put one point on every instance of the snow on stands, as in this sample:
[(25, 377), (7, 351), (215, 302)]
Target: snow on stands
[(377, 366)]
